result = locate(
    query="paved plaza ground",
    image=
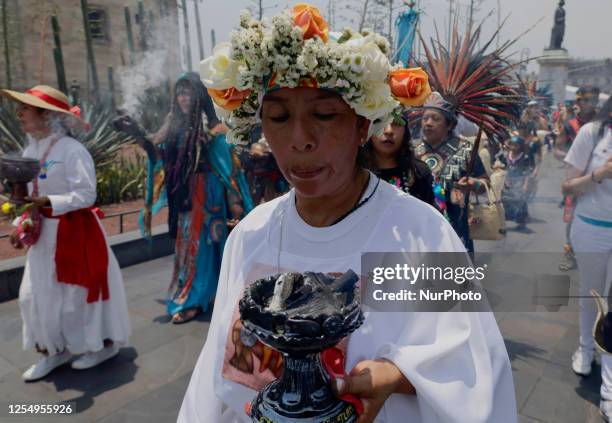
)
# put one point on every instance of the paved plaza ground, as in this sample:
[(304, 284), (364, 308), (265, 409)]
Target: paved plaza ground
[(147, 381)]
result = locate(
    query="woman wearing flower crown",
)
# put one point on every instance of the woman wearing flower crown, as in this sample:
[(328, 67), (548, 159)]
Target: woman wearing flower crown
[(319, 97), (71, 297)]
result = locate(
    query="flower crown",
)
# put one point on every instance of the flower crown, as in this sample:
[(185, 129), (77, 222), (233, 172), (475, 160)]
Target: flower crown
[(296, 49)]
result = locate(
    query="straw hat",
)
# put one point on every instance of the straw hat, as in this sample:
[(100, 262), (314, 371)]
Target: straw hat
[(43, 97), (48, 98)]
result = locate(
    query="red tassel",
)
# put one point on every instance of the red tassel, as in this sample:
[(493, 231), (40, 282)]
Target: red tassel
[(333, 361)]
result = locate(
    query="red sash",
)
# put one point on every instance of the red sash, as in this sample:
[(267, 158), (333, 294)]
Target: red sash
[(81, 255)]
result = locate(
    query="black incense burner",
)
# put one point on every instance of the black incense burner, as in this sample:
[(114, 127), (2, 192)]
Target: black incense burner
[(18, 171), (300, 315)]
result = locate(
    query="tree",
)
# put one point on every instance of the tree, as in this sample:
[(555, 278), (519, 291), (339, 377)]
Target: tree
[(379, 15), (359, 14), (387, 11), (331, 13), (5, 45), (258, 8)]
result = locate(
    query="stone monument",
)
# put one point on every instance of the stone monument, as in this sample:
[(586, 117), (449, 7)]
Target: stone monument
[(555, 59)]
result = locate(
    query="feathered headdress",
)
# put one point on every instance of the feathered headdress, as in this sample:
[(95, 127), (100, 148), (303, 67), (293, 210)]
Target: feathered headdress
[(474, 83), (531, 91)]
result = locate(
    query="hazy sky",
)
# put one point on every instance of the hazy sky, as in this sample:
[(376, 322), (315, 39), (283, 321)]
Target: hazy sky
[(588, 27)]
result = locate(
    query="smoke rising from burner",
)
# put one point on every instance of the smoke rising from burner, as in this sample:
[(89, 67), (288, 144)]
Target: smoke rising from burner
[(150, 70)]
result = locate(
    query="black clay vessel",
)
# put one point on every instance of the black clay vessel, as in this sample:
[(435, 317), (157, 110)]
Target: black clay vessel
[(18, 171), (300, 315)]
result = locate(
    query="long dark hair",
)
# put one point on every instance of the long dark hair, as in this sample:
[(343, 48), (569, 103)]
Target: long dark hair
[(405, 156), (184, 147), (603, 117)]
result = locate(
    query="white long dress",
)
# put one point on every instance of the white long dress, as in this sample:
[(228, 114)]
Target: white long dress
[(56, 315), (456, 361)]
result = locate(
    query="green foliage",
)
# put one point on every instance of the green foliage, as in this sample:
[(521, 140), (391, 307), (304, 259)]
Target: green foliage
[(121, 180), (11, 136), (102, 141)]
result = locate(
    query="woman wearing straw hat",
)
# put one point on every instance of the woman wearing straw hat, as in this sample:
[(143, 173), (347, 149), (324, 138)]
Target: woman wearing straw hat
[(71, 298)]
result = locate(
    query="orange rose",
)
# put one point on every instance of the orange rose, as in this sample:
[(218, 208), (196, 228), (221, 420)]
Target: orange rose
[(229, 99), (410, 86), (310, 20)]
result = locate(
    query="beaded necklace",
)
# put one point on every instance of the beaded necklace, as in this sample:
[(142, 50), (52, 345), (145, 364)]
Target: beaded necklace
[(44, 165)]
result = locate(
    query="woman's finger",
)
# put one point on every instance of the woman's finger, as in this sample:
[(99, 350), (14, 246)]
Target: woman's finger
[(360, 385)]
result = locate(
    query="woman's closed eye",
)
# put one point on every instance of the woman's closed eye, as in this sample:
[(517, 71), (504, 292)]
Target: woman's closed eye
[(279, 118), (326, 116)]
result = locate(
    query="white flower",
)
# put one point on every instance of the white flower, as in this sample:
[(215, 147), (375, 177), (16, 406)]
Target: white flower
[(220, 71), (245, 18), (376, 64), (376, 101), (378, 127), (357, 63), (342, 83), (347, 34), (351, 63)]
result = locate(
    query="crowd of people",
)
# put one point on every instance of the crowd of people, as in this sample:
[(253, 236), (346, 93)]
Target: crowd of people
[(317, 177)]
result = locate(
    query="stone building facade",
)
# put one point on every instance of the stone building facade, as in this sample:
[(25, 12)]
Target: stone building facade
[(154, 26), (591, 72)]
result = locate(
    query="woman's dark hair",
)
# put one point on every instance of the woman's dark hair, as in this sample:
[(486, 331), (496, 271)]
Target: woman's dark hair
[(405, 156), (184, 146), (603, 117)]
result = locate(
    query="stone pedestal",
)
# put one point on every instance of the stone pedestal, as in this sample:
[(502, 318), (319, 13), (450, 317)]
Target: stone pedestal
[(553, 70)]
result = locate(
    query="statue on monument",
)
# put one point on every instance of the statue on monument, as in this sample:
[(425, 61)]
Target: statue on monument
[(558, 31)]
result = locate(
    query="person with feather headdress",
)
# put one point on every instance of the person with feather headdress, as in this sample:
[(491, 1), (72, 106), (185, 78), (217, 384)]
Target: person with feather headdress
[(469, 84), (448, 157)]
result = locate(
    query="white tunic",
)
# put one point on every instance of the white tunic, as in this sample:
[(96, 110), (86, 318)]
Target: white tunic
[(56, 315), (456, 361), (588, 153)]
